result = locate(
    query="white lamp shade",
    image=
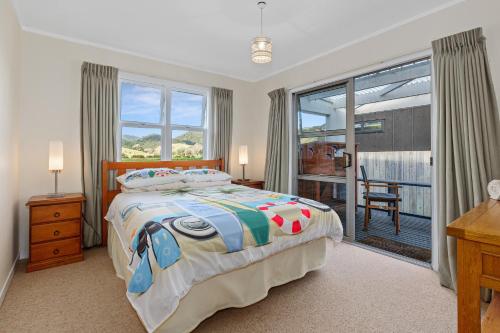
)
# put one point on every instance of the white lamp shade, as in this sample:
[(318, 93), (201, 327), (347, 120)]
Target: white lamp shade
[(55, 155), (243, 154), (262, 50)]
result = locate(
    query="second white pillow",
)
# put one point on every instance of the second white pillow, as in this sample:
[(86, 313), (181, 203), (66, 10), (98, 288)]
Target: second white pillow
[(204, 175)]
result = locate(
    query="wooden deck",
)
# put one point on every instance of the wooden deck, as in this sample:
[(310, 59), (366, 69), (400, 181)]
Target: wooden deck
[(414, 240)]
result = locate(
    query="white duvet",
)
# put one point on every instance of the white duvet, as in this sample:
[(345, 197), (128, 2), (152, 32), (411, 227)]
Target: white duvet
[(202, 259)]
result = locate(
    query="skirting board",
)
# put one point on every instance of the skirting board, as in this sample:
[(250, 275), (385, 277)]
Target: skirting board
[(7, 282)]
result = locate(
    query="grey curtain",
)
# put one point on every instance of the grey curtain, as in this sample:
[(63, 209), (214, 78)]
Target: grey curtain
[(468, 134), (222, 111), (276, 169), (99, 120)]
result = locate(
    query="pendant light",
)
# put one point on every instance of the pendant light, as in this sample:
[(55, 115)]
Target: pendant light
[(262, 46)]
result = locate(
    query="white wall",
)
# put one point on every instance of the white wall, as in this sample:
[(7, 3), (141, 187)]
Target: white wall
[(403, 40), (9, 72), (50, 108), (50, 89)]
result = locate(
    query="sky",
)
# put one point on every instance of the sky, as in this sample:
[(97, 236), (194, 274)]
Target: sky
[(310, 120), (140, 103), (186, 109), (143, 103)]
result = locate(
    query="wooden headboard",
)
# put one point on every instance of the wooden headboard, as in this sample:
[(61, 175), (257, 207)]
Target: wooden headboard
[(122, 167)]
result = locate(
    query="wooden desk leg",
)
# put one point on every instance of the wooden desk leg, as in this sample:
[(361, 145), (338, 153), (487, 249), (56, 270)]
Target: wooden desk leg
[(469, 268)]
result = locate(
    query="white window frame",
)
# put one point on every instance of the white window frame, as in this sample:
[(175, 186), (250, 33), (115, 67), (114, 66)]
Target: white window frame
[(165, 125)]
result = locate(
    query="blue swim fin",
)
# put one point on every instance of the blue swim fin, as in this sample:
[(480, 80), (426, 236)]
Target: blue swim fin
[(165, 247), (142, 278)]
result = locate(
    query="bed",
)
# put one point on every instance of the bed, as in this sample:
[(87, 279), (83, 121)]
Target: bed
[(246, 242)]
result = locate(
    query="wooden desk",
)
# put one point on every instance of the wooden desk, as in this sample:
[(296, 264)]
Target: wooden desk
[(478, 265)]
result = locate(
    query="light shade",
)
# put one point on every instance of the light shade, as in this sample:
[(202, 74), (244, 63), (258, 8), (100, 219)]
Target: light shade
[(243, 154), (262, 50), (55, 155)]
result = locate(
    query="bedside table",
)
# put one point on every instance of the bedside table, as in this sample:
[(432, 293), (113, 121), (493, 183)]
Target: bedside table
[(258, 184), (55, 230)]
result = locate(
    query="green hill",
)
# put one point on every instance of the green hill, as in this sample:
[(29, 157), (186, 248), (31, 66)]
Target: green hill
[(190, 138), (184, 147), (141, 143)]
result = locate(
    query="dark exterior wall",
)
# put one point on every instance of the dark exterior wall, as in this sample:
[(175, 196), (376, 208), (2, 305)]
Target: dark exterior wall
[(406, 129)]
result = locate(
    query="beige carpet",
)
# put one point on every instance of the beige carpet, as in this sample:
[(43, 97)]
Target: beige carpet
[(357, 291)]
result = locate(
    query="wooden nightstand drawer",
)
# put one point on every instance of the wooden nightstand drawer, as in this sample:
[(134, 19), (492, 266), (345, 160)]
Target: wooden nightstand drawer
[(57, 212), (257, 184), (55, 249), (54, 231)]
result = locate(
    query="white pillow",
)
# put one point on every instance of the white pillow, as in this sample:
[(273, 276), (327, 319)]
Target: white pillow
[(174, 186), (149, 177), (152, 188), (207, 184), (205, 175)]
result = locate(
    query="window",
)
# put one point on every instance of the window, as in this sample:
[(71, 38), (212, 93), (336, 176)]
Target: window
[(161, 120), (322, 111), (321, 132), (141, 143), (369, 126), (310, 122), (187, 117)]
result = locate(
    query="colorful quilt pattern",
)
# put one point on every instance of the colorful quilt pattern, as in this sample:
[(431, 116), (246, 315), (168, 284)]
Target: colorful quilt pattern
[(223, 219), (173, 240)]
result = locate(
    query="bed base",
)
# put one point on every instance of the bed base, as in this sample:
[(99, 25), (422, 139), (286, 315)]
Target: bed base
[(232, 289)]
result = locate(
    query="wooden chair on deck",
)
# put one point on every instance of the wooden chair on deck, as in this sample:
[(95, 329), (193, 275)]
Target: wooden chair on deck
[(391, 198)]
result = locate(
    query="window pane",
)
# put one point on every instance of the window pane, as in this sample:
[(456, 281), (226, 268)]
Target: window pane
[(141, 144), (322, 155), (397, 87), (312, 122), (374, 125), (187, 109), (187, 145), (324, 110), (140, 103)]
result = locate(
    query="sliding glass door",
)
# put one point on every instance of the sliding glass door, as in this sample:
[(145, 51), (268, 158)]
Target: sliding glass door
[(393, 139), (363, 147), (324, 153)]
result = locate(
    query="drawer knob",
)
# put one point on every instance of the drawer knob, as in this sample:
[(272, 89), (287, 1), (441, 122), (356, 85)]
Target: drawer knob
[(57, 214), (55, 252), (56, 233)]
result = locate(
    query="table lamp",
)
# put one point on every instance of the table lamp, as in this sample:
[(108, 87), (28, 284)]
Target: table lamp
[(243, 155), (55, 164)]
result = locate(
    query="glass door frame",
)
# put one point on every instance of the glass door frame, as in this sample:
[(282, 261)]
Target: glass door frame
[(350, 177), (332, 80)]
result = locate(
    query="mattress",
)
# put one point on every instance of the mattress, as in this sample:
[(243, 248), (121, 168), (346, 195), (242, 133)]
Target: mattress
[(174, 240)]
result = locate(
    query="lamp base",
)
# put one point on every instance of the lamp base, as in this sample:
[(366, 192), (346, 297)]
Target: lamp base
[(243, 175), (55, 195), (243, 179)]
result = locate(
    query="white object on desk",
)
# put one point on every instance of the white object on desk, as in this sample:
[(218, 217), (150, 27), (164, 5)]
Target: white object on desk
[(494, 189)]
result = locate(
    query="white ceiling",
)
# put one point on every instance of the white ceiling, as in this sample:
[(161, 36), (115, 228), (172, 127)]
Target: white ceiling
[(215, 35)]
